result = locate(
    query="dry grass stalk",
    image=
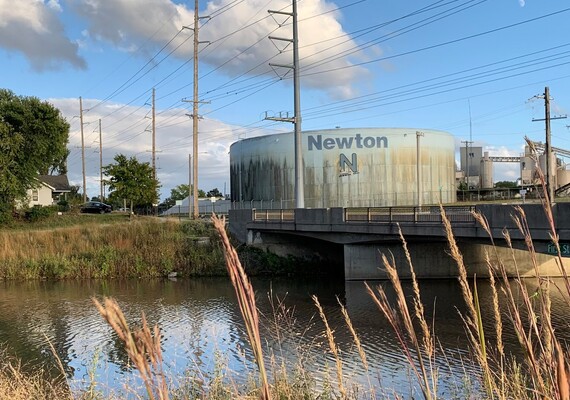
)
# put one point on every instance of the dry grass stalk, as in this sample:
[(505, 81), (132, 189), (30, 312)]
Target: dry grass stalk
[(546, 362), (458, 258), (141, 345), (383, 304), (332, 346), (547, 206), (427, 339), (358, 344), (473, 320), (17, 385), (246, 300), (355, 337)]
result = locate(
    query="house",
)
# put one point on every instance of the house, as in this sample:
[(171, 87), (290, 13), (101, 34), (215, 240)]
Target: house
[(51, 189)]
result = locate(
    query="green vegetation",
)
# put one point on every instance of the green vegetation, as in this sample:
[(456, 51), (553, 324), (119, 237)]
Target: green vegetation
[(180, 192), (108, 247), (33, 140), (131, 180), (79, 246)]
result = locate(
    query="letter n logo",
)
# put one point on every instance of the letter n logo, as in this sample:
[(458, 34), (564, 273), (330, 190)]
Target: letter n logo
[(346, 164)]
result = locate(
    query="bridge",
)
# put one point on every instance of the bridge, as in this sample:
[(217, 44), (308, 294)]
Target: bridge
[(355, 237)]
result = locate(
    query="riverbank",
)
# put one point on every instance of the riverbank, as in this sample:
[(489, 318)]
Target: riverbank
[(119, 246)]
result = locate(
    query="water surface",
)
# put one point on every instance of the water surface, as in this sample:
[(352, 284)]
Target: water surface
[(203, 330)]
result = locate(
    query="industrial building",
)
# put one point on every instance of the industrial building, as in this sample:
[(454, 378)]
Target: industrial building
[(349, 167), (477, 167)]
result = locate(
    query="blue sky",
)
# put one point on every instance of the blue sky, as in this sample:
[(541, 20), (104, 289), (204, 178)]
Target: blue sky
[(364, 63)]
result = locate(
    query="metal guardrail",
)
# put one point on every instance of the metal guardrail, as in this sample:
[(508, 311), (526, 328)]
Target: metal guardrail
[(424, 214)]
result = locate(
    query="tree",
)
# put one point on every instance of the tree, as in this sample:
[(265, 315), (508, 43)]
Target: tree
[(506, 185), (131, 180), (214, 193), (180, 192), (33, 140)]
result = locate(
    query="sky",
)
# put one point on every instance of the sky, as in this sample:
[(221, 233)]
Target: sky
[(474, 68)]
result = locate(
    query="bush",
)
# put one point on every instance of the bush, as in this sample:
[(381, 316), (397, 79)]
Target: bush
[(38, 213), (63, 205)]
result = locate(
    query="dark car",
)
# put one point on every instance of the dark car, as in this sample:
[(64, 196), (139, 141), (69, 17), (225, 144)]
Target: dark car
[(96, 207)]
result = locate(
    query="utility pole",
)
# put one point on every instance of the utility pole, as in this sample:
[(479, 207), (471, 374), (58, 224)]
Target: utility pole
[(155, 200), (153, 136), (296, 120), (548, 144), (101, 161), (82, 148), (194, 115), (467, 156), (189, 184), (418, 168)]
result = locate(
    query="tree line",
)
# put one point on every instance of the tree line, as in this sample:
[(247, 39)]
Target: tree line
[(33, 141)]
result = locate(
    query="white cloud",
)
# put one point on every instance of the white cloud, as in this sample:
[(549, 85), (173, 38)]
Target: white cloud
[(54, 5), (238, 36), (522, 3), (32, 28), (127, 132)]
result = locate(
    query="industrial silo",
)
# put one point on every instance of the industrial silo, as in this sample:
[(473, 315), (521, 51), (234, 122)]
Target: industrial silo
[(346, 168), (486, 170)]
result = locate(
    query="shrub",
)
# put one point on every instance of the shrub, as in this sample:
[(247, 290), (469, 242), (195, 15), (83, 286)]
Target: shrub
[(38, 213), (63, 206)]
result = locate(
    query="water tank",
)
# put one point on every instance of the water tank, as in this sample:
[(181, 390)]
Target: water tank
[(348, 167)]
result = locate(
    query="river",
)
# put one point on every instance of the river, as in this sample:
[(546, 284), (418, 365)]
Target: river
[(203, 331)]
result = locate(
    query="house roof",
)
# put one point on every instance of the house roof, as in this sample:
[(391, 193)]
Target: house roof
[(58, 182)]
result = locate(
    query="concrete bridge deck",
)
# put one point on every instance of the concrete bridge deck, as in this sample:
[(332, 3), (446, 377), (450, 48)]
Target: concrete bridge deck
[(365, 232)]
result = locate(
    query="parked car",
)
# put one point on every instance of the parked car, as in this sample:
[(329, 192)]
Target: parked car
[(96, 207)]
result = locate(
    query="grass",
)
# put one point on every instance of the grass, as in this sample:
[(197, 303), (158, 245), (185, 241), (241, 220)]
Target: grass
[(141, 247)]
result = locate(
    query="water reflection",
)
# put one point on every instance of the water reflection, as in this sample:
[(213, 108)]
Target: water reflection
[(202, 328)]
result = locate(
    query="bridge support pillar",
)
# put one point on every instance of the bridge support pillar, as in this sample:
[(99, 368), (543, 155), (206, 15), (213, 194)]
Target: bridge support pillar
[(363, 261)]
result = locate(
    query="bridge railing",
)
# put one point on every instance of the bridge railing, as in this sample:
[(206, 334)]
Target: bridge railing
[(423, 214), (429, 214), (287, 215)]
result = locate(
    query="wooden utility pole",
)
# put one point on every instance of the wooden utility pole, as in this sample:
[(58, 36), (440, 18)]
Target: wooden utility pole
[(82, 148), (548, 145), (102, 198)]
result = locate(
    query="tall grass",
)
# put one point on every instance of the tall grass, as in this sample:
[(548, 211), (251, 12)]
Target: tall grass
[(143, 247)]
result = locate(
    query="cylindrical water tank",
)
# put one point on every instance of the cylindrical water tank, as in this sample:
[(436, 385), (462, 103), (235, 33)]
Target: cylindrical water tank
[(346, 167)]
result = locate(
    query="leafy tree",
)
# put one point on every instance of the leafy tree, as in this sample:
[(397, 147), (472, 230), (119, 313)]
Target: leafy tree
[(506, 185), (33, 140), (75, 197), (131, 180), (214, 193), (180, 192)]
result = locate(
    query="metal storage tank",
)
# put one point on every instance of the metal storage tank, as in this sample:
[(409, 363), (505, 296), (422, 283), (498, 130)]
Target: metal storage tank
[(486, 172), (349, 167)]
